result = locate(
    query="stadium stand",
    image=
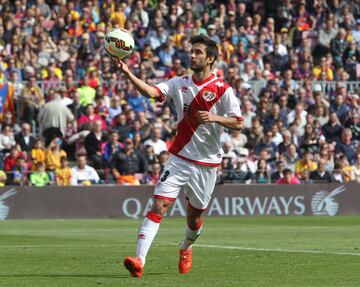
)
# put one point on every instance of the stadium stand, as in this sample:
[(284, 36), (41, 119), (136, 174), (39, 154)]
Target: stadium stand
[(295, 67)]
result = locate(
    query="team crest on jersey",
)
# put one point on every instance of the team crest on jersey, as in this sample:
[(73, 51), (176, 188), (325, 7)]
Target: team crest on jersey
[(208, 96)]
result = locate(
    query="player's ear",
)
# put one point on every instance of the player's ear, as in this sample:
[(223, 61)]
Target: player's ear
[(211, 59)]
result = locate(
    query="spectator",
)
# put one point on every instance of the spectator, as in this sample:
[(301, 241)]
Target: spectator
[(86, 93), (327, 155), (237, 140), (338, 45), (115, 108), (245, 169), (279, 173), (321, 175), (283, 146), (154, 174), (83, 174), (93, 144), (337, 174), (31, 100), (288, 178), (7, 139), (354, 126), (127, 163), (254, 134), (347, 146), (55, 114), (261, 175), (37, 153), (19, 173), (229, 153), (323, 67), (333, 129), (39, 177), (122, 127), (8, 120), (163, 157), (155, 141), (326, 34), (101, 107), (247, 113), (273, 117), (267, 144), (63, 175), (305, 165), (346, 167), (340, 107), (25, 139), (90, 117), (53, 154), (310, 140), (110, 148)]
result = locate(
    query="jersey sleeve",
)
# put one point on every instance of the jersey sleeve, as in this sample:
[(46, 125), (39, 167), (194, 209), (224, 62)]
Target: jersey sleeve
[(167, 89), (231, 104)]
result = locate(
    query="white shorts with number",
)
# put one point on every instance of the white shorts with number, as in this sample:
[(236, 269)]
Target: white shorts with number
[(197, 182)]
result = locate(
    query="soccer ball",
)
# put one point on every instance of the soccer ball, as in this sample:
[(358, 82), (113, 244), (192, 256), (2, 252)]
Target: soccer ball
[(119, 43)]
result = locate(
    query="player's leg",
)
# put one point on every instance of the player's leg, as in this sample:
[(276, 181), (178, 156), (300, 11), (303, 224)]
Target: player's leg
[(173, 178), (199, 191), (193, 228), (146, 235), (150, 226), (192, 232)]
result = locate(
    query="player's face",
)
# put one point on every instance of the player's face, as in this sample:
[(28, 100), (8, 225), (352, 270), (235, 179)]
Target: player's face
[(199, 60)]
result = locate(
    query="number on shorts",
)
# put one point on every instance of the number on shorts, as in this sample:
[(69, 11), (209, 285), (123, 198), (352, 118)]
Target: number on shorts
[(165, 175)]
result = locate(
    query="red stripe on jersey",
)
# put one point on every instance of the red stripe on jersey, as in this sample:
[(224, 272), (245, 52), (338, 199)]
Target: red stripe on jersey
[(198, 162), (203, 101), (162, 97)]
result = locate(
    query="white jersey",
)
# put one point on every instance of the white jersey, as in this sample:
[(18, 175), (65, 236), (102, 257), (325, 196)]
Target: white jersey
[(195, 142)]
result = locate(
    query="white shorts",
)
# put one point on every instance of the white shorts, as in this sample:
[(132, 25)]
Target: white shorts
[(197, 182)]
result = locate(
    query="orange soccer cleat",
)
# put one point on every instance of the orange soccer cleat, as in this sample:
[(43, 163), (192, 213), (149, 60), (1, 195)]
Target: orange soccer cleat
[(185, 260), (134, 265)]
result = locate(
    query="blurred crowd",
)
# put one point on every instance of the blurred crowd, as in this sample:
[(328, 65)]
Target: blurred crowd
[(68, 117)]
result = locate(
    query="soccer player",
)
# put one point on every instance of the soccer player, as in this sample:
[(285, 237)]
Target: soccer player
[(201, 101)]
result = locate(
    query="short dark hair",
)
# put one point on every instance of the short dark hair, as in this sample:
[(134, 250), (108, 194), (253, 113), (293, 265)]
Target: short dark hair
[(211, 46), (287, 171)]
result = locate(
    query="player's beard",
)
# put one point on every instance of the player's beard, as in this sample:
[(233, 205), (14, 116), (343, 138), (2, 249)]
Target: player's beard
[(197, 67)]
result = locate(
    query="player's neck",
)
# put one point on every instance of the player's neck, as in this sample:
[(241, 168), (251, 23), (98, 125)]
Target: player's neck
[(202, 75)]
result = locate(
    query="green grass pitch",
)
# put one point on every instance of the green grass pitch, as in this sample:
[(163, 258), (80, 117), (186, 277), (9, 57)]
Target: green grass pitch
[(247, 251)]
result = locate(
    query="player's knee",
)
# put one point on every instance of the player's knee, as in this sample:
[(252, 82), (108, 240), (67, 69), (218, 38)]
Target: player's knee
[(160, 206)]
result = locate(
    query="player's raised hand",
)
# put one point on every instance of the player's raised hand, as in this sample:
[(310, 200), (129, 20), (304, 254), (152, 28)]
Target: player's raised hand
[(120, 65), (204, 117)]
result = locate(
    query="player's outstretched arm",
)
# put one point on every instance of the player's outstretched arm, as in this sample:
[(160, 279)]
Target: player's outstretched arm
[(143, 88), (205, 117)]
